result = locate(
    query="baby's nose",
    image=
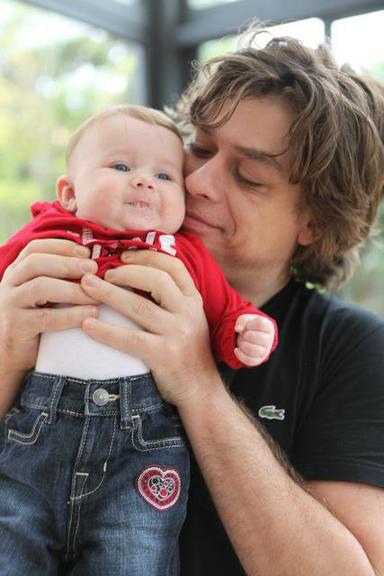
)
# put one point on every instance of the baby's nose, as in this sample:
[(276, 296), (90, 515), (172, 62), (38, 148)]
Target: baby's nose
[(143, 182)]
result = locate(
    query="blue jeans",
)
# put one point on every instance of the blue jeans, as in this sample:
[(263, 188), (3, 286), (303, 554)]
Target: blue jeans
[(93, 479)]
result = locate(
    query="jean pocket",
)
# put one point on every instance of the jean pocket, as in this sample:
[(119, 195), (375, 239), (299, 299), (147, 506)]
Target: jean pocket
[(156, 428), (26, 427)]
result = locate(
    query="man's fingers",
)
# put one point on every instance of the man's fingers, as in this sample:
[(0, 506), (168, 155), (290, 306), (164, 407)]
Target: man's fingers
[(158, 283), (53, 246), (135, 342), (34, 265), (46, 319), (173, 266), (42, 290), (138, 308)]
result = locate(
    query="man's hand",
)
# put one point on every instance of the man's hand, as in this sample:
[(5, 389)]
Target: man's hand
[(39, 275), (255, 340), (175, 340)]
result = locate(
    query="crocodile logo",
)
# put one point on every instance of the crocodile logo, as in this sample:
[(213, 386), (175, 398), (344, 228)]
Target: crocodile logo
[(272, 413)]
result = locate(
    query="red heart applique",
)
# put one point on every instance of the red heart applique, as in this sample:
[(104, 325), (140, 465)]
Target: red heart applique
[(159, 487)]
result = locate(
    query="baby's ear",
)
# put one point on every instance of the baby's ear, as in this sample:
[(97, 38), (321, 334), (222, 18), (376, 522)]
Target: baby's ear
[(65, 193)]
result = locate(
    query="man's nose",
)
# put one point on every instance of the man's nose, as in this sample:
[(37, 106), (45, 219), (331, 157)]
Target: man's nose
[(203, 181), (143, 181)]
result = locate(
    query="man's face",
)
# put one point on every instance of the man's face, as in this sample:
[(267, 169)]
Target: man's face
[(239, 198), (128, 174)]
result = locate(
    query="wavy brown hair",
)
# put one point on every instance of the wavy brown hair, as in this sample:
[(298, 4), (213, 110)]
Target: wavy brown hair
[(336, 140)]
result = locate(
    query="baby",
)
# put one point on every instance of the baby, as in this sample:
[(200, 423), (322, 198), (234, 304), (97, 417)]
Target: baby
[(104, 455)]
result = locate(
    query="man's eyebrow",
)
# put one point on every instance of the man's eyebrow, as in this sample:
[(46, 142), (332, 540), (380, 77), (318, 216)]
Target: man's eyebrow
[(267, 158)]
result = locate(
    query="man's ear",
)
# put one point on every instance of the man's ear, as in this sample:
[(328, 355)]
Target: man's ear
[(307, 233), (65, 192)]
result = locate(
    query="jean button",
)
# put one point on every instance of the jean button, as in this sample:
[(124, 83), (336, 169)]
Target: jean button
[(100, 397)]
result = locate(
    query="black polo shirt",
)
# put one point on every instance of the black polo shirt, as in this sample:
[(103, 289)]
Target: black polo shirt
[(320, 396)]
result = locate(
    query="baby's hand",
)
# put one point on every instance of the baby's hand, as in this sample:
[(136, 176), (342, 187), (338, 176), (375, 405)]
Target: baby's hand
[(255, 340)]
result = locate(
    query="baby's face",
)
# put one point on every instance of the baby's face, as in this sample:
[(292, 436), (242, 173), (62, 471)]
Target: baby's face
[(128, 175)]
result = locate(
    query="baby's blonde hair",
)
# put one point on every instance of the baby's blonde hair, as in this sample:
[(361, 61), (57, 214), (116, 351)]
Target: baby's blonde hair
[(149, 115)]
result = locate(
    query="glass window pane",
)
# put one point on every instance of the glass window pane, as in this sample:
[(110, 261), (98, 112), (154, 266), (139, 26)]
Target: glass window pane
[(358, 41), (54, 72), (213, 48), (207, 3), (310, 32)]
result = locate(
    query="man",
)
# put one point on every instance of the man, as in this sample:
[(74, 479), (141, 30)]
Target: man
[(284, 177)]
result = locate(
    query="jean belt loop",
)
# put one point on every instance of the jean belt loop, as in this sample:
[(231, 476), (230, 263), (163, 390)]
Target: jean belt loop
[(57, 388), (125, 403)]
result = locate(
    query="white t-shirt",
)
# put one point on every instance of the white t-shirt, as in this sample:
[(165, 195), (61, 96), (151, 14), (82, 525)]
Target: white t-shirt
[(73, 353)]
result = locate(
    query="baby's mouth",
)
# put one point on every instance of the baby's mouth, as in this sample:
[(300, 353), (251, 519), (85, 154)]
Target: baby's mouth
[(141, 204)]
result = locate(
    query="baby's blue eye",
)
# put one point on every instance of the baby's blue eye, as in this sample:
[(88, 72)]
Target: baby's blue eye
[(121, 167), (163, 176)]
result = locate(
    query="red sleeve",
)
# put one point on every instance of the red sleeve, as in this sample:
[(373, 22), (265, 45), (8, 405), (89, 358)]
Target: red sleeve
[(48, 221), (222, 304)]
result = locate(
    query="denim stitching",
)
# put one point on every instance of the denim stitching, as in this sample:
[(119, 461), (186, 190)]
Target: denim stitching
[(11, 413), (104, 466), (147, 408), (65, 411), (79, 507), (22, 438), (43, 405), (36, 405), (39, 406), (76, 380), (174, 442), (53, 404), (72, 501), (125, 422)]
